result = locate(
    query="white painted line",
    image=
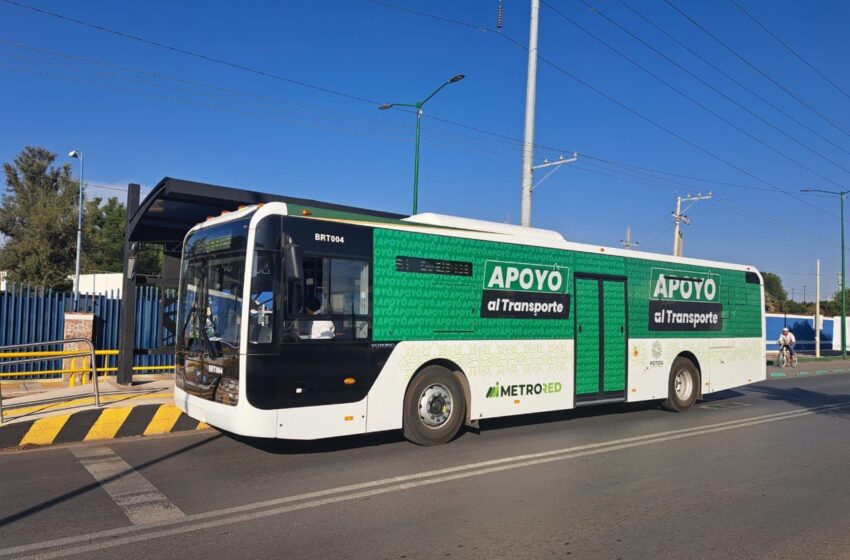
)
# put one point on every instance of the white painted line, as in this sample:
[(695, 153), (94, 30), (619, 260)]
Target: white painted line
[(140, 501), (125, 535)]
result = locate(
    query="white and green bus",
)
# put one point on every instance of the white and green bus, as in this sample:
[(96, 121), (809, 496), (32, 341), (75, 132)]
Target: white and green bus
[(302, 323)]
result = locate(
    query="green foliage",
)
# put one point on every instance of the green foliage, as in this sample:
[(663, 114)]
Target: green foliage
[(37, 219), (150, 260), (103, 246), (773, 286)]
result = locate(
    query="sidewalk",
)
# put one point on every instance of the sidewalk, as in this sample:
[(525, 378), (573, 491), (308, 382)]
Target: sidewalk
[(809, 367), (145, 408)]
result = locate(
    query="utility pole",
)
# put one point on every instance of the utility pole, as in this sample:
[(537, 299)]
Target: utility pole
[(804, 293), (817, 309), (841, 196), (680, 217), (627, 242), (528, 166), (530, 99)]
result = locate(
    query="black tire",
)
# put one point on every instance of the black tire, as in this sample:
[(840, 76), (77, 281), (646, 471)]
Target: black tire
[(434, 407), (682, 386)]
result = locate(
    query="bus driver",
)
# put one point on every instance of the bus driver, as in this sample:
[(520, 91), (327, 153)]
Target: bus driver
[(320, 328)]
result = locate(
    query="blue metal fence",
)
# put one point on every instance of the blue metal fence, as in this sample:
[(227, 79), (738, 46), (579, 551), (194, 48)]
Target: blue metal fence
[(29, 314), (803, 328)]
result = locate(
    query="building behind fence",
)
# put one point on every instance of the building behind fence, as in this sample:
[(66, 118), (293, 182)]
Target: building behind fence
[(29, 314)]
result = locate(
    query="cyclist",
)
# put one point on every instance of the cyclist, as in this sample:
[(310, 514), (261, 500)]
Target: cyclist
[(787, 340)]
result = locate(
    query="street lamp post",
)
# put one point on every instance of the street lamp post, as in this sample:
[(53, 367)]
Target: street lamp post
[(76, 154), (841, 195), (418, 106)]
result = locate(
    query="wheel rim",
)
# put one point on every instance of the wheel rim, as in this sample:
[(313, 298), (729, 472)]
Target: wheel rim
[(683, 384), (435, 405)]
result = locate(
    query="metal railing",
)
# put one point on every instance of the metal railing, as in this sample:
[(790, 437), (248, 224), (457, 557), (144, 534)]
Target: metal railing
[(103, 369), (18, 357)]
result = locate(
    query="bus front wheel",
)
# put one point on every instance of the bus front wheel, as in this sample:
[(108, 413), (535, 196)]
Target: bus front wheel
[(683, 386), (434, 407)]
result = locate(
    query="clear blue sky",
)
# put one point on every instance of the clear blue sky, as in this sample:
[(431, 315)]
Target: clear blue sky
[(232, 127)]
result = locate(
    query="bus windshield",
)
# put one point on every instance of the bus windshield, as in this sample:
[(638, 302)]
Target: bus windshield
[(211, 289)]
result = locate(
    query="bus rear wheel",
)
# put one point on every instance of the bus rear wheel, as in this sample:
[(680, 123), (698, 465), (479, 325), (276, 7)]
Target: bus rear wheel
[(683, 386), (434, 407)]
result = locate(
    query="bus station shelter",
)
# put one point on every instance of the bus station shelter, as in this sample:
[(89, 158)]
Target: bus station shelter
[(163, 218)]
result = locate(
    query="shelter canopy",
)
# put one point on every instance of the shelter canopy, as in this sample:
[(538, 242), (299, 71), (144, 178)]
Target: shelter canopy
[(175, 205)]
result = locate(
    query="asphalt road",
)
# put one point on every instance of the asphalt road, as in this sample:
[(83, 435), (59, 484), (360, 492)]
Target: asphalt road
[(760, 472)]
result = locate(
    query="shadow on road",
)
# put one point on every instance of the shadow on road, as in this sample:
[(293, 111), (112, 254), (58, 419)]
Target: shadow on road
[(306, 447), (96, 484), (805, 398), (296, 447)]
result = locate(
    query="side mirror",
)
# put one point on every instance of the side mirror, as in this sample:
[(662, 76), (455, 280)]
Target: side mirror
[(292, 265), (132, 257)]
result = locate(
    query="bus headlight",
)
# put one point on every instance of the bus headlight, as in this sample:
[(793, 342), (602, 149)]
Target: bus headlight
[(227, 391)]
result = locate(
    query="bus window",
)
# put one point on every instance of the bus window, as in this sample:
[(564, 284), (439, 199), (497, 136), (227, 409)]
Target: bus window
[(261, 312), (332, 302), (349, 296)]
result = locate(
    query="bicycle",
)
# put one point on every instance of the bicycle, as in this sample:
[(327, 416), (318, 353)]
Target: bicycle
[(786, 357)]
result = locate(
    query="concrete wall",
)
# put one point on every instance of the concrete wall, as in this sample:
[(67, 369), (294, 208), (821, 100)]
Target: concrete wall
[(103, 283)]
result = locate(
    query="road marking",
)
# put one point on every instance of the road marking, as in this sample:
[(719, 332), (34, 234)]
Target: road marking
[(163, 420), (140, 501), (776, 374), (44, 431), (821, 372), (723, 405), (163, 528), (108, 423)]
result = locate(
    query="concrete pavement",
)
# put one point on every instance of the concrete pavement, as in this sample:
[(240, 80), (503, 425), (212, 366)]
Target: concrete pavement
[(759, 472)]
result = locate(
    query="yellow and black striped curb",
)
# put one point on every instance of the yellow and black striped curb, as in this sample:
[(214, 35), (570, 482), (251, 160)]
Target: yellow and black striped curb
[(100, 424)]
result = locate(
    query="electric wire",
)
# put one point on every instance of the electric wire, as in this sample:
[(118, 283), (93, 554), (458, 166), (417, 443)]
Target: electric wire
[(732, 79), (623, 177), (501, 139), (754, 215), (693, 100), (257, 114), (297, 82), (336, 116), (191, 53), (327, 90), (654, 172), (625, 107), (753, 66), (719, 92), (789, 49)]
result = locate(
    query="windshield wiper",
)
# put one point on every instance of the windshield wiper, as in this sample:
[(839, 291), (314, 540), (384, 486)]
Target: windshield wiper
[(200, 303)]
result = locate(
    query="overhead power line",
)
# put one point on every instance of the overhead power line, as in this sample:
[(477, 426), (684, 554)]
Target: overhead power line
[(191, 53), (789, 49), (754, 67), (690, 98), (700, 80), (617, 102), (247, 68), (273, 114), (734, 80)]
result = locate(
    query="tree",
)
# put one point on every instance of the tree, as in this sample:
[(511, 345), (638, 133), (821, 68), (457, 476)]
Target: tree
[(773, 286), (103, 246), (38, 220)]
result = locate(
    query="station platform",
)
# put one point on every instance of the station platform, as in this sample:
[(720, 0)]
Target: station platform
[(142, 409)]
